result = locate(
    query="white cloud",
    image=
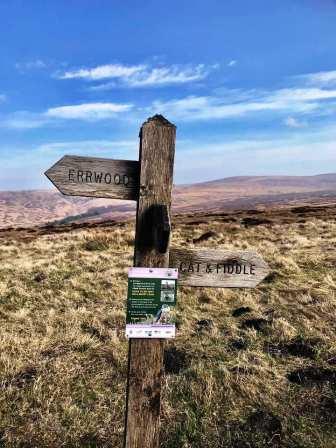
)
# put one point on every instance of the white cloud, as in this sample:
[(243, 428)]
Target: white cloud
[(302, 94), (292, 122), (320, 78), (139, 75), (168, 75), (108, 71), (88, 111), (232, 63), (31, 65), (222, 104), (217, 107)]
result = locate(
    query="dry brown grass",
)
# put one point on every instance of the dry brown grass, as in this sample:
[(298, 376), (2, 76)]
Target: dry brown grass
[(249, 368)]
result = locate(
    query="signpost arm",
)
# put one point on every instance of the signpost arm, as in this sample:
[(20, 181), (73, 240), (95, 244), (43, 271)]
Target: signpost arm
[(157, 149)]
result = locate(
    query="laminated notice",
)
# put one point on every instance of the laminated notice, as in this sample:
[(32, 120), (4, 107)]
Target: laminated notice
[(151, 302)]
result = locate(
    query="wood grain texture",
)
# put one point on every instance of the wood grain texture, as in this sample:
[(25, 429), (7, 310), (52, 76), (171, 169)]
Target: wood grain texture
[(96, 177), (157, 148), (218, 268)]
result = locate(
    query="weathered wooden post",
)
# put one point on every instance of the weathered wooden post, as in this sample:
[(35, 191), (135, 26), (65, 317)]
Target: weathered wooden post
[(149, 181), (157, 149)]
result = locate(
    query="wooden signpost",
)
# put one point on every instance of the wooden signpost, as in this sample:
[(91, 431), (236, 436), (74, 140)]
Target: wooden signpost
[(218, 268), (96, 177), (149, 182)]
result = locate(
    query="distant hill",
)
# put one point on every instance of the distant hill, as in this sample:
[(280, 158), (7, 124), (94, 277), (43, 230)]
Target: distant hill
[(27, 208)]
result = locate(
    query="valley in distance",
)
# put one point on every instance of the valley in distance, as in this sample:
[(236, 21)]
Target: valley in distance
[(41, 207)]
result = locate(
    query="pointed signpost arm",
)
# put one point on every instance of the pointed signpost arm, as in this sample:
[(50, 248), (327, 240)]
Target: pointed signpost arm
[(96, 177), (214, 268), (157, 149)]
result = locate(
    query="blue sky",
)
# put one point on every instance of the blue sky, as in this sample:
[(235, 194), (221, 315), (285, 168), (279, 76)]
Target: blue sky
[(251, 85)]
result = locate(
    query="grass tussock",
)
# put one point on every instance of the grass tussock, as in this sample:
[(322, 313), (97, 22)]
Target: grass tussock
[(249, 368)]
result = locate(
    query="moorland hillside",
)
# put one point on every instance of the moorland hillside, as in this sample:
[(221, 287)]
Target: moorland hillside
[(29, 208), (248, 368)]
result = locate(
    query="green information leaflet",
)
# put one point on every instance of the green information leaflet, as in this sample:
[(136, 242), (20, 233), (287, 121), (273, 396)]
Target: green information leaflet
[(151, 300)]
